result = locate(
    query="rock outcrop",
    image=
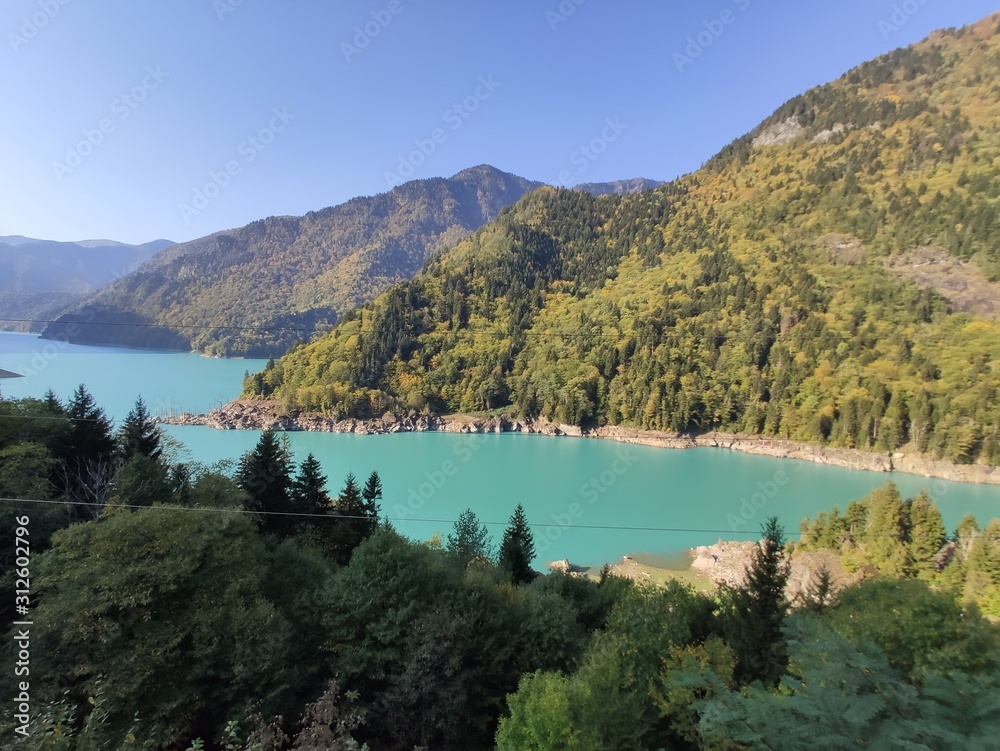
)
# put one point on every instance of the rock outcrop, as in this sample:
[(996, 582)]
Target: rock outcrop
[(726, 562)]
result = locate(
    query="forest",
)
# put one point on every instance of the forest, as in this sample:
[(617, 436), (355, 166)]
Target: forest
[(242, 606), (256, 290), (773, 292)]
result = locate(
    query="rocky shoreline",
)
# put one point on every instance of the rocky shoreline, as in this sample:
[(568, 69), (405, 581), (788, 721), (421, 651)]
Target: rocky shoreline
[(251, 414)]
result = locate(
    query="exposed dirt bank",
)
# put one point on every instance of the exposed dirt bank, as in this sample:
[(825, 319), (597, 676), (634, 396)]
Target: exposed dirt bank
[(250, 414)]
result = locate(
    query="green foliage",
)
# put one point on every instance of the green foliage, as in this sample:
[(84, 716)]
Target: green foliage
[(887, 529), (354, 519), (608, 703), (262, 288), (724, 300), (753, 613), (470, 540), (926, 535), (264, 475), (982, 569), (154, 605), (372, 494), (90, 437), (907, 539), (142, 481), (517, 550), (917, 628), (542, 716), (434, 648), (87, 456), (840, 695), (139, 434)]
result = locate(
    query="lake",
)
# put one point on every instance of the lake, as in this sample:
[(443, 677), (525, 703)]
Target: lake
[(592, 501)]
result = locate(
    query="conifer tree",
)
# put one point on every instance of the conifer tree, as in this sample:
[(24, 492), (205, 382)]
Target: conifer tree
[(927, 535), (470, 540), (372, 494), (308, 491), (87, 456), (886, 531), (139, 434), (90, 437), (518, 548), (265, 475), (982, 569), (757, 609), (52, 403), (353, 525)]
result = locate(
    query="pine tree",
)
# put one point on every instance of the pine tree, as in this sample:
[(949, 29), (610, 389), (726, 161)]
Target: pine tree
[(518, 548), (87, 455), (372, 494), (470, 540), (90, 437), (265, 475), (884, 539), (139, 434), (308, 491), (982, 568), (927, 535), (855, 521), (354, 524), (757, 610), (52, 403)]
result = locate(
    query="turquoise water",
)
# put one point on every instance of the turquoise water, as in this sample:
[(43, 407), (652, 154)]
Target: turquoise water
[(592, 501)]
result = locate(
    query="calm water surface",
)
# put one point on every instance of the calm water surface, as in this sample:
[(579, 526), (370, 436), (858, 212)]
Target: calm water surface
[(594, 501)]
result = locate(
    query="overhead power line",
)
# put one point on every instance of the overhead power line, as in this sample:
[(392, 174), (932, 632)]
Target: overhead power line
[(335, 517)]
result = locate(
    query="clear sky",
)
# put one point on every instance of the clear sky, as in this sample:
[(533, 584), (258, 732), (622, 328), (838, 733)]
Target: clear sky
[(140, 120)]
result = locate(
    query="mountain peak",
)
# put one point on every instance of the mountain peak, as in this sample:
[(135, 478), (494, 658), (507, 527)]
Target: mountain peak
[(288, 275)]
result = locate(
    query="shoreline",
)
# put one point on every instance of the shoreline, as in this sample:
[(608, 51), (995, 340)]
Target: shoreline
[(250, 414)]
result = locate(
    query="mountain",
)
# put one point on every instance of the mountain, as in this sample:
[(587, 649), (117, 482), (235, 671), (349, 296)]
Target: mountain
[(619, 187), (256, 290), (37, 275), (809, 282)]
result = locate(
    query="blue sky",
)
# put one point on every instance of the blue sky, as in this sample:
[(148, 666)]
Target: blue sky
[(140, 120)]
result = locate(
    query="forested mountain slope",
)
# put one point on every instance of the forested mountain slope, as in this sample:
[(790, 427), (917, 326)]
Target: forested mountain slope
[(779, 290), (277, 279)]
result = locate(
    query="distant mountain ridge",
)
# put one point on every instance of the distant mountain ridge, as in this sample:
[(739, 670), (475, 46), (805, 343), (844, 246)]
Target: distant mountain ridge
[(619, 187), (255, 290), (37, 275)]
